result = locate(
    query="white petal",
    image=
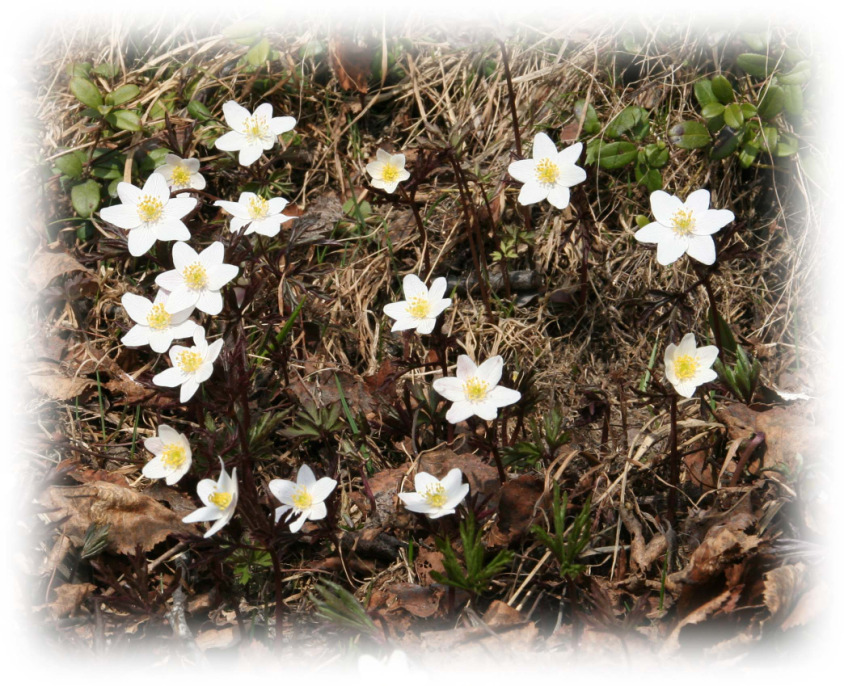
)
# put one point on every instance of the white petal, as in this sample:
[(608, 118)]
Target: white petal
[(172, 230), (235, 115), (425, 326), (702, 248), (299, 523), (486, 410), (183, 255), (698, 202), (169, 281), (179, 207), (181, 298), (137, 336), (490, 371), (501, 396), (203, 514), (210, 302), (652, 233), (318, 511), (188, 389), (568, 156), (279, 125), (136, 306), (230, 142), (451, 481), (283, 490), (570, 175), (221, 275), (543, 147), (465, 367), (156, 186), (671, 249), (707, 355), (121, 216), (249, 154), (412, 286), (415, 503), (664, 206), (169, 378), (128, 193), (532, 192), (279, 511), (522, 170), (213, 255), (559, 197), (305, 477), (160, 341), (459, 411), (712, 221), (423, 480), (396, 310), (141, 240), (450, 388), (322, 488), (155, 469)]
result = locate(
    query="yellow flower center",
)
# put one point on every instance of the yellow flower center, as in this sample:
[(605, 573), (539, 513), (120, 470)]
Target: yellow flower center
[(221, 499), (255, 127), (180, 177), (547, 171), (390, 173), (158, 318), (302, 499), (173, 455), (419, 306), (149, 209), (683, 222), (685, 367), (195, 276), (435, 495), (258, 207), (475, 389), (190, 361)]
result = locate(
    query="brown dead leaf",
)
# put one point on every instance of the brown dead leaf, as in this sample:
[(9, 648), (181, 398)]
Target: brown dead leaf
[(46, 266), (811, 605), (699, 615), (500, 614), (782, 587), (351, 63), (50, 380), (482, 477), (218, 639), (427, 561), (134, 518), (69, 598), (722, 547), (517, 506)]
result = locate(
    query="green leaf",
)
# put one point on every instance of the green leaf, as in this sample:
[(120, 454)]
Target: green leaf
[(123, 94), (755, 65), (715, 124), (733, 116), (689, 135), (656, 155), (615, 155), (258, 53), (107, 70), (748, 110), (793, 100), (198, 111), (713, 109), (591, 125), (703, 92), (85, 198), (768, 138), (747, 154), (650, 178), (86, 92), (772, 102), (756, 41), (786, 146), (82, 69), (726, 143), (71, 164), (642, 221), (728, 341), (722, 89), (125, 120), (631, 120), (798, 75)]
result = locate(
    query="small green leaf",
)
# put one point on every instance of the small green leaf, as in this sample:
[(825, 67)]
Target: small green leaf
[(728, 341), (258, 53), (726, 143), (756, 41), (713, 109), (82, 69), (642, 221), (703, 92), (591, 125), (747, 154), (107, 70), (768, 138), (772, 102), (85, 198), (70, 165), (656, 155), (123, 94), (733, 116), (722, 89), (125, 120), (748, 110), (198, 111), (632, 121), (786, 146), (651, 179), (755, 65), (616, 155), (689, 135), (715, 124), (86, 92), (798, 75), (793, 100)]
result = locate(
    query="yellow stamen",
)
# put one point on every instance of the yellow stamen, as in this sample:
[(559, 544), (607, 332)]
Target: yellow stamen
[(683, 222), (220, 499), (435, 495), (173, 455), (547, 171), (685, 367), (180, 177), (475, 389), (149, 209), (195, 276), (302, 499), (158, 318), (190, 361), (255, 127), (390, 173), (419, 306), (258, 207)]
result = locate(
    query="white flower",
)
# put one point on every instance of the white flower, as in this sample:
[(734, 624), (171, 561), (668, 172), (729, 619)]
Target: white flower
[(549, 174), (259, 214), (304, 497), (172, 455), (475, 390), (150, 214), (433, 497), (191, 366), (687, 366), (154, 325), (683, 227), (219, 498), (197, 278), (387, 171), (251, 134), (181, 174), (422, 307)]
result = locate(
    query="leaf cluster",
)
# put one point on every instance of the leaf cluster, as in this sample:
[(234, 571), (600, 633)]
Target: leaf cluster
[(566, 545)]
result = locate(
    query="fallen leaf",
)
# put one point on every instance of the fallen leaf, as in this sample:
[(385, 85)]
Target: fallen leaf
[(50, 380), (46, 266), (69, 598), (500, 614), (351, 63), (782, 587), (428, 560), (217, 639), (517, 505)]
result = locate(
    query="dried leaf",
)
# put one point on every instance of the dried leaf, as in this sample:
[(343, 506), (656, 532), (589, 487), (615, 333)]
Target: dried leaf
[(351, 63), (69, 598), (782, 587), (517, 505), (50, 380), (46, 266)]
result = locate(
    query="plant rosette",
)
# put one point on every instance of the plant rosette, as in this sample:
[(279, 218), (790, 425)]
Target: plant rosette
[(549, 174), (475, 390), (434, 497), (173, 455), (191, 366), (257, 214), (251, 134), (149, 214), (687, 366), (683, 227), (421, 307), (219, 499), (197, 278), (154, 325), (303, 498)]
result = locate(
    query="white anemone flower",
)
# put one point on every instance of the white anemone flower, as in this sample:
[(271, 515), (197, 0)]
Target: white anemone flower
[(435, 497), (259, 215), (387, 171), (181, 174), (303, 498), (197, 278), (475, 390), (251, 134), (219, 498), (683, 227), (154, 325), (549, 174), (687, 366), (422, 306), (172, 455), (149, 214), (191, 366)]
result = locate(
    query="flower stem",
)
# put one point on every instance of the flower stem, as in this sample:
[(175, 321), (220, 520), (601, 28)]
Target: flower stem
[(673, 465), (423, 233), (703, 276)]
